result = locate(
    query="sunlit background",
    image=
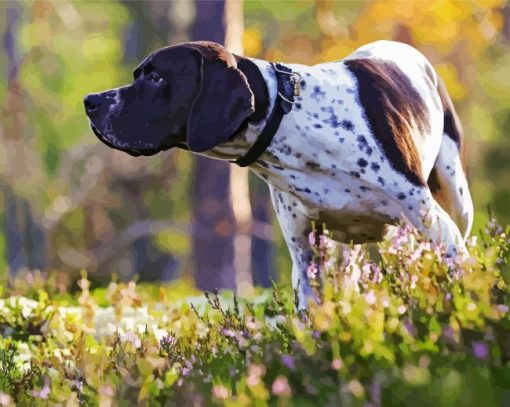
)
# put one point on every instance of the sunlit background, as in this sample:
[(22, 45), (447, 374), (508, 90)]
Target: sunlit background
[(69, 203)]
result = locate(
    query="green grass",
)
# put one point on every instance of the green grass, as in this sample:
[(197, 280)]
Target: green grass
[(409, 330)]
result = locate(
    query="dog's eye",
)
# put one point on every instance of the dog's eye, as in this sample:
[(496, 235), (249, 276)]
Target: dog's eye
[(154, 77)]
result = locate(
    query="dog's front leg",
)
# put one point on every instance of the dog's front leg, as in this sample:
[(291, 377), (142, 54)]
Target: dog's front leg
[(295, 225)]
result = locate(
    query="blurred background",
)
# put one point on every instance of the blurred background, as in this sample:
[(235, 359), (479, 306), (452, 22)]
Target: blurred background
[(68, 203)]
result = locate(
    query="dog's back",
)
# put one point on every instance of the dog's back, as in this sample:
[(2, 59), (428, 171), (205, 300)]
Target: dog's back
[(441, 153)]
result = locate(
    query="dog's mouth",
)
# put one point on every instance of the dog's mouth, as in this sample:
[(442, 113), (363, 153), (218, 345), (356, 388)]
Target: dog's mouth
[(137, 152)]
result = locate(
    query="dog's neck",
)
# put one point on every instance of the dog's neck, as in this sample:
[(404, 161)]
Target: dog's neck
[(262, 79)]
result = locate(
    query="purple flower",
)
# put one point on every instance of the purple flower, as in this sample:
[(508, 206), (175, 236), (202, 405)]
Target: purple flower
[(288, 361), (503, 308), (480, 350), (449, 333)]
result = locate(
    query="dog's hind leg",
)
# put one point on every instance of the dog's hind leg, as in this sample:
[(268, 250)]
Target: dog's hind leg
[(449, 186), (429, 218), (447, 181)]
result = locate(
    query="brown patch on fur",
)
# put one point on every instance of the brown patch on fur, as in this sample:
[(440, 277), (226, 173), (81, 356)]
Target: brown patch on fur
[(213, 52), (440, 192), (452, 125), (394, 109)]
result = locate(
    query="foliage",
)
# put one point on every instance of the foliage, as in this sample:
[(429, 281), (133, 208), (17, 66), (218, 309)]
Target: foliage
[(413, 327), (85, 195)]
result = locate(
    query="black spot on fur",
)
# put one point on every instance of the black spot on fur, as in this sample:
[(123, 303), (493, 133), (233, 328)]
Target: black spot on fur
[(401, 196), (362, 162), (312, 164), (317, 93), (375, 167), (307, 190), (355, 174), (327, 109), (380, 181), (347, 125)]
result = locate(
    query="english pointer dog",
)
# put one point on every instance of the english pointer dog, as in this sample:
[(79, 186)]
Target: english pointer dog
[(357, 144)]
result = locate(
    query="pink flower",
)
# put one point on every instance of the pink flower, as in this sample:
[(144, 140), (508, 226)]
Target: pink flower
[(44, 392), (311, 272), (311, 238), (220, 392), (337, 364), (281, 387)]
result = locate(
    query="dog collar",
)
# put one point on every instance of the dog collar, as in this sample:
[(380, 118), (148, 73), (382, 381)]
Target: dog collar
[(287, 89)]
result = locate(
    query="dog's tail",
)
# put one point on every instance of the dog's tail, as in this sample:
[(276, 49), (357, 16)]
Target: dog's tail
[(447, 180)]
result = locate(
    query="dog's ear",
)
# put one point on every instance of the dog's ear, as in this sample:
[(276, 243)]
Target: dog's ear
[(223, 102)]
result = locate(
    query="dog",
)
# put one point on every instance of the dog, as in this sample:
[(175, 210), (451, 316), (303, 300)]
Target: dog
[(357, 144)]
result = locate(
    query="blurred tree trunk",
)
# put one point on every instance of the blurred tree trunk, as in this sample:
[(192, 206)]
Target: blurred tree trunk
[(239, 189), (213, 219)]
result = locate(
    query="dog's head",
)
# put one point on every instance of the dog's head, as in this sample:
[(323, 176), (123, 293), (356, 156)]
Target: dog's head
[(190, 93)]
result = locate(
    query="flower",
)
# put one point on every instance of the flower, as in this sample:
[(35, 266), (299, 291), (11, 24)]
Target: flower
[(480, 350), (337, 364), (281, 387), (219, 391), (311, 272), (288, 361), (5, 399), (254, 374), (44, 392)]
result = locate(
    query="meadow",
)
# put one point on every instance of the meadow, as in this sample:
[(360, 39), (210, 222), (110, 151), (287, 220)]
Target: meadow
[(408, 329)]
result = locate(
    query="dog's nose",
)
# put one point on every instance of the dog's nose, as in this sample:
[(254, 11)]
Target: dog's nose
[(92, 102)]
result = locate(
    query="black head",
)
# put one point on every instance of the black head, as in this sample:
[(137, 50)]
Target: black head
[(191, 94)]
